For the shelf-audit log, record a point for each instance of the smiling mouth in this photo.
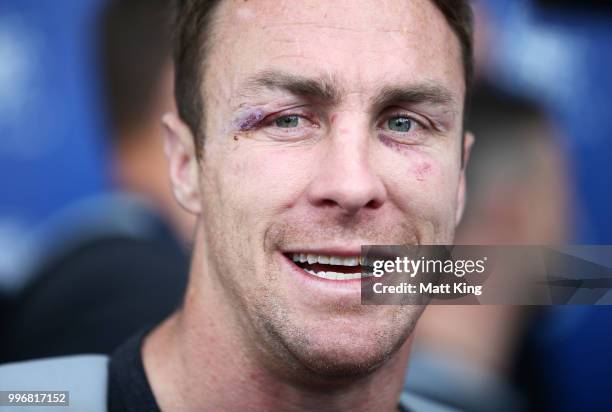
(328, 266)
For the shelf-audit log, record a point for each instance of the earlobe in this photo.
(179, 147)
(468, 141)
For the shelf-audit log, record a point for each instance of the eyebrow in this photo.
(326, 90)
(424, 93)
(320, 89)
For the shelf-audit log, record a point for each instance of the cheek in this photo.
(422, 171)
(261, 181)
(422, 183)
(427, 182)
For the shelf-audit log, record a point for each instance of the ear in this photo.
(180, 150)
(468, 141)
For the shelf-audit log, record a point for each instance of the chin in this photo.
(347, 362)
(343, 351)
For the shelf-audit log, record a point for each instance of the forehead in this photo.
(363, 45)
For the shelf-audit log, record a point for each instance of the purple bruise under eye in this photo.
(250, 119)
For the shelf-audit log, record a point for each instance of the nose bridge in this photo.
(348, 154)
(345, 176)
(349, 140)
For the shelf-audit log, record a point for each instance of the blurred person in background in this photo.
(517, 195)
(139, 79)
(558, 53)
(120, 260)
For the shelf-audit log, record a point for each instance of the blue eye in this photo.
(400, 124)
(287, 122)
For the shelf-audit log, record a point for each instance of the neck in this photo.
(199, 359)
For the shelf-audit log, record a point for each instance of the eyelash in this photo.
(295, 133)
(273, 119)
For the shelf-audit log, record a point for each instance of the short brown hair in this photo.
(192, 27)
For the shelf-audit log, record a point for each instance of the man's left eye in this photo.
(288, 121)
(400, 124)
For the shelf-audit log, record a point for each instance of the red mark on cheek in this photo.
(422, 171)
(333, 118)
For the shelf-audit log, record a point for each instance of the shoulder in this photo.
(412, 402)
(84, 377)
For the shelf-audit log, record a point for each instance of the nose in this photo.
(345, 178)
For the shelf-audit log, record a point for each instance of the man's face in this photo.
(329, 125)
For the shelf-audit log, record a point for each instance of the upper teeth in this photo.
(326, 259)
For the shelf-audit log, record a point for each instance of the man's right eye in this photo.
(400, 124)
(289, 126)
(288, 121)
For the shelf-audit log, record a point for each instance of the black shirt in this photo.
(128, 387)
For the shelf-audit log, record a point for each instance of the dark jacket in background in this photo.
(114, 268)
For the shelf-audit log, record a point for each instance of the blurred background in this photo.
(87, 216)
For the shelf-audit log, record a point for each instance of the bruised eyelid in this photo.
(249, 119)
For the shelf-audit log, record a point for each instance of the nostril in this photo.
(328, 202)
(348, 199)
(374, 204)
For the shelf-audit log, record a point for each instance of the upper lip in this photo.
(329, 251)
